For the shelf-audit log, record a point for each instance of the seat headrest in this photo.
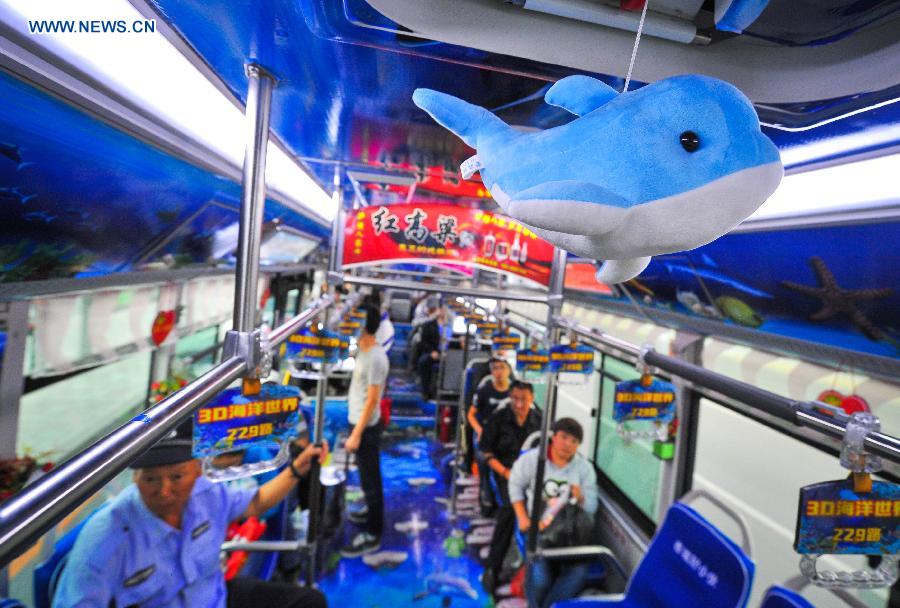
(691, 563)
(779, 597)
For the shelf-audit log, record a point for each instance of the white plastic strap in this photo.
(470, 166)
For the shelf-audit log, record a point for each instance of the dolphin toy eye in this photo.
(690, 141)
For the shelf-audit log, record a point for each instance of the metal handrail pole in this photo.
(460, 429)
(796, 412)
(25, 517)
(292, 325)
(253, 198)
(554, 305)
(450, 290)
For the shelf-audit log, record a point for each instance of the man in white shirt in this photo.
(366, 387)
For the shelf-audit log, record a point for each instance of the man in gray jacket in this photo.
(568, 475)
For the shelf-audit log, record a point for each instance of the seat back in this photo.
(400, 309)
(691, 563)
(46, 575)
(779, 597)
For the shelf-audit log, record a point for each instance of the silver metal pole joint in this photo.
(253, 348)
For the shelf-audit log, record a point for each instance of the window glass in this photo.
(58, 420)
(630, 465)
(190, 348)
(759, 472)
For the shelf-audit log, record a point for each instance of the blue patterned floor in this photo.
(429, 578)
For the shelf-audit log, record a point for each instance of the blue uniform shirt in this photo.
(126, 554)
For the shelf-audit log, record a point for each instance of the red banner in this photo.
(446, 233)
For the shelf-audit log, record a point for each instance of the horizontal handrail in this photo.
(28, 515)
(798, 413)
(451, 290)
(289, 327)
(253, 546)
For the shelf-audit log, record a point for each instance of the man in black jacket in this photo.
(430, 350)
(501, 442)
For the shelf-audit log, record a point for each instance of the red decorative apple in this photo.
(855, 403)
(162, 326)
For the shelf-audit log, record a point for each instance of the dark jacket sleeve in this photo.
(431, 337)
(488, 443)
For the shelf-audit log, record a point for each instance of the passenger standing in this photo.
(385, 335)
(501, 442)
(430, 350)
(366, 387)
(547, 583)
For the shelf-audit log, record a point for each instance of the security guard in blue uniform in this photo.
(157, 543)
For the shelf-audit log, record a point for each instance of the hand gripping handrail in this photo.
(25, 517)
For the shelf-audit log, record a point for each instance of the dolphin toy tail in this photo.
(619, 271)
(469, 122)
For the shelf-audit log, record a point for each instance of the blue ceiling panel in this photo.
(78, 197)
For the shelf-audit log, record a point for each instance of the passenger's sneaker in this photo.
(358, 517)
(361, 544)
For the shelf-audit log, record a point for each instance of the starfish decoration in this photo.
(836, 300)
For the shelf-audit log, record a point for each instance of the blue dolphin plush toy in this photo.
(665, 168)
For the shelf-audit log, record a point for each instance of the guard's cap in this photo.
(174, 449)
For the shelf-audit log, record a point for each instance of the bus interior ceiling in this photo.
(113, 214)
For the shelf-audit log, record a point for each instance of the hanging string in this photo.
(637, 42)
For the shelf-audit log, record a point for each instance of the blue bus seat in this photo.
(10, 603)
(46, 575)
(689, 563)
(780, 597)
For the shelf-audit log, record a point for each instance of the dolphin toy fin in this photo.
(567, 206)
(469, 122)
(612, 271)
(619, 271)
(580, 94)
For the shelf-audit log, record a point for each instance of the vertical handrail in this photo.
(460, 429)
(253, 197)
(554, 304)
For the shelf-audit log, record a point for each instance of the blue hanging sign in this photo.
(233, 421)
(505, 342)
(572, 359)
(486, 328)
(528, 360)
(640, 400)
(834, 519)
(310, 346)
(350, 328)
(345, 347)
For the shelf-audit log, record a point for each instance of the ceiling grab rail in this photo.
(805, 414)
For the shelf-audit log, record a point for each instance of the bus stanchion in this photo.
(315, 487)
(554, 305)
(460, 429)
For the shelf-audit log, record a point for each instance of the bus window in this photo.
(759, 471)
(198, 349)
(66, 416)
(630, 465)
